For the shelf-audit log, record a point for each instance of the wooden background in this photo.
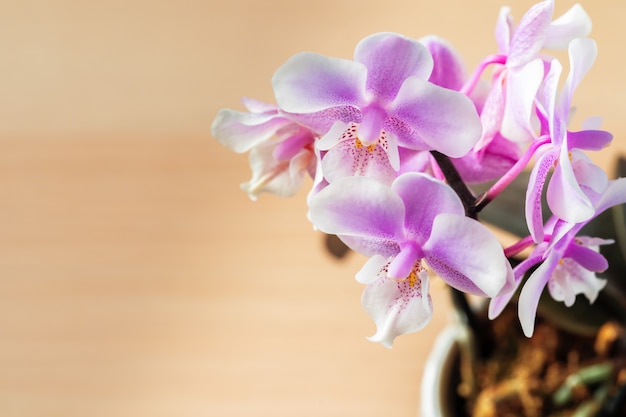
(135, 278)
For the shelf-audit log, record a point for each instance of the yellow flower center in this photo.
(358, 144)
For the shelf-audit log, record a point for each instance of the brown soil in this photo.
(552, 374)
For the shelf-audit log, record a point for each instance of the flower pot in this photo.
(438, 396)
(585, 373)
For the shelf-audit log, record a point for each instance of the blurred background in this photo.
(136, 279)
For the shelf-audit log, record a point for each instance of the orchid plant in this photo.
(399, 139)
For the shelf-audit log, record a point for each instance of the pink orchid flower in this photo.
(368, 107)
(400, 229)
(575, 177)
(509, 108)
(281, 151)
(567, 264)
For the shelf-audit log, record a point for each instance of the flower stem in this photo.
(522, 244)
(508, 178)
(471, 82)
(455, 181)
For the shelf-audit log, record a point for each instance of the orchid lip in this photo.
(370, 128)
(402, 265)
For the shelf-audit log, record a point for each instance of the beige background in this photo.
(135, 278)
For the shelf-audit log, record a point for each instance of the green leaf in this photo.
(506, 211)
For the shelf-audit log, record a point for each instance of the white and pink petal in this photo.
(280, 177)
(465, 254)
(530, 35)
(569, 279)
(424, 198)
(241, 131)
(310, 82)
(390, 59)
(420, 104)
(574, 23)
(521, 89)
(397, 306)
(531, 292)
(448, 68)
(364, 212)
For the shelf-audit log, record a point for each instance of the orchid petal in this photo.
(370, 270)
(316, 91)
(397, 307)
(614, 195)
(448, 69)
(424, 199)
(531, 292)
(493, 110)
(350, 157)
(420, 104)
(590, 177)
(488, 163)
(390, 59)
(309, 83)
(499, 302)
(587, 257)
(530, 34)
(504, 28)
(415, 161)
(257, 106)
(292, 139)
(538, 176)
(559, 231)
(319, 183)
(564, 195)
(279, 177)
(582, 54)
(522, 86)
(592, 140)
(574, 23)
(242, 131)
(338, 131)
(550, 92)
(404, 262)
(365, 213)
(389, 142)
(322, 121)
(569, 279)
(592, 123)
(454, 254)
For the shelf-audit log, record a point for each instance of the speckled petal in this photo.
(397, 307)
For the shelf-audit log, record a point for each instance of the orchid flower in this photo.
(393, 137)
(510, 104)
(479, 164)
(567, 264)
(575, 176)
(281, 151)
(367, 108)
(416, 220)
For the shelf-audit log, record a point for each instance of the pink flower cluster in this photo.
(373, 131)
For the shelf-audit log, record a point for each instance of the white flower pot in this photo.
(438, 385)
